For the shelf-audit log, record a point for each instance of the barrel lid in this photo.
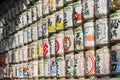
(115, 47)
(103, 50)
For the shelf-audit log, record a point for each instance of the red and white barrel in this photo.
(77, 12)
(59, 43)
(46, 47)
(69, 40)
(89, 62)
(89, 34)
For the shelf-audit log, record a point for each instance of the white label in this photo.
(60, 3)
(17, 39)
(20, 54)
(34, 13)
(21, 37)
(70, 64)
(102, 64)
(35, 69)
(53, 69)
(46, 7)
(34, 32)
(29, 34)
(68, 0)
(39, 9)
(25, 53)
(20, 22)
(79, 64)
(41, 68)
(47, 67)
(88, 8)
(45, 27)
(115, 28)
(24, 19)
(101, 7)
(115, 59)
(68, 16)
(39, 27)
(25, 35)
(29, 16)
(16, 55)
(60, 66)
(52, 45)
(78, 34)
(101, 31)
